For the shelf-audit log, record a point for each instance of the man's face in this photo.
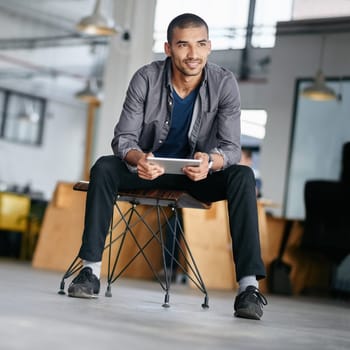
(189, 50)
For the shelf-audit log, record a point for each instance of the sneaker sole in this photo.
(247, 313)
(82, 295)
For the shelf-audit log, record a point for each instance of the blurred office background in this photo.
(61, 89)
(45, 61)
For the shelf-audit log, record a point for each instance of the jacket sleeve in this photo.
(229, 122)
(128, 129)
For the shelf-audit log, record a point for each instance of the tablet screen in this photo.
(174, 165)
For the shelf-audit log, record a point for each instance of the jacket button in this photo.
(160, 141)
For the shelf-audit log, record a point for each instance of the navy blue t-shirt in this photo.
(176, 144)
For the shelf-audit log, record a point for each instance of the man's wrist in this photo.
(210, 161)
(216, 160)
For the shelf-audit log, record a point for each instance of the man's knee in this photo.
(247, 172)
(243, 171)
(104, 165)
(241, 174)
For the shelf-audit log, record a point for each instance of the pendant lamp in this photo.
(97, 24)
(318, 90)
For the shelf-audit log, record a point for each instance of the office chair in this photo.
(327, 208)
(165, 204)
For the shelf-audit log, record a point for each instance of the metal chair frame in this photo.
(157, 201)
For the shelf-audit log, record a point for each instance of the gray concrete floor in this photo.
(34, 316)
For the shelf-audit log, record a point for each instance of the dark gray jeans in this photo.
(236, 184)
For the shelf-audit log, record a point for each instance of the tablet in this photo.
(174, 165)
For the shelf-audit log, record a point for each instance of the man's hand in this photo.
(148, 170)
(196, 173)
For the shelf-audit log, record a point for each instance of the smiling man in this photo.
(183, 107)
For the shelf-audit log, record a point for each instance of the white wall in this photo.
(61, 155)
(59, 158)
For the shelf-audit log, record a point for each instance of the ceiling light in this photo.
(96, 24)
(318, 90)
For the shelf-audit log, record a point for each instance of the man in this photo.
(181, 107)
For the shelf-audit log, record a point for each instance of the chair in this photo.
(327, 208)
(15, 217)
(327, 224)
(165, 204)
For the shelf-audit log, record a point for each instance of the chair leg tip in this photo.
(205, 304)
(108, 292)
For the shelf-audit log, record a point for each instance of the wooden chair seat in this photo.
(180, 199)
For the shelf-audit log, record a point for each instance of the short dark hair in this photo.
(186, 20)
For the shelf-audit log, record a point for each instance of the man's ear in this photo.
(209, 42)
(167, 49)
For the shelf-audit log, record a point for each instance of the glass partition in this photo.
(319, 130)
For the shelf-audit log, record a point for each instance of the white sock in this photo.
(95, 266)
(246, 281)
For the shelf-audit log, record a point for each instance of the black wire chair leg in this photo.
(75, 266)
(205, 304)
(166, 303)
(108, 292)
(168, 277)
(111, 272)
(190, 262)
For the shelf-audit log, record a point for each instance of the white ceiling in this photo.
(62, 13)
(41, 52)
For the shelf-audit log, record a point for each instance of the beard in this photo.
(184, 68)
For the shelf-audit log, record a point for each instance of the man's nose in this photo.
(192, 52)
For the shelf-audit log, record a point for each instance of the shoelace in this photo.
(257, 294)
(84, 275)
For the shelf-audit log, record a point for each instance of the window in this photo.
(22, 117)
(253, 123)
(267, 14)
(227, 20)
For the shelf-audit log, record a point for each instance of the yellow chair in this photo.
(15, 217)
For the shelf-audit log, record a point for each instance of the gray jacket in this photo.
(146, 116)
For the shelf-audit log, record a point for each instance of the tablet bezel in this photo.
(174, 165)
